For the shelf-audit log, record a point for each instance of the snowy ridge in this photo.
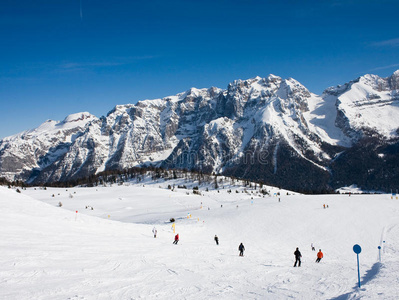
(369, 103)
(214, 130)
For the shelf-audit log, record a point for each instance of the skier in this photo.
(216, 239)
(313, 249)
(176, 239)
(298, 256)
(154, 231)
(319, 256)
(241, 248)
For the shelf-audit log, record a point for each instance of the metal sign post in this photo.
(357, 249)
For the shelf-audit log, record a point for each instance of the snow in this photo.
(71, 121)
(275, 164)
(55, 128)
(51, 252)
(366, 106)
(321, 119)
(287, 127)
(78, 117)
(350, 189)
(262, 110)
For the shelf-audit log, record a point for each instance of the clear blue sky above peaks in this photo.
(60, 57)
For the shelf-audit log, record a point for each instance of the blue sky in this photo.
(60, 57)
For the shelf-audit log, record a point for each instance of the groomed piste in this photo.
(99, 244)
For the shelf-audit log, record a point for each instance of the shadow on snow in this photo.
(370, 275)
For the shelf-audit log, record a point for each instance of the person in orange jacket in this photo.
(319, 256)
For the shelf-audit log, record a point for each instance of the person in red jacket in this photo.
(176, 239)
(319, 256)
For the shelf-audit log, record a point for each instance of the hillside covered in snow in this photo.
(99, 244)
(270, 129)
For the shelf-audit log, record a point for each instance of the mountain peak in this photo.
(272, 77)
(257, 116)
(394, 80)
(77, 117)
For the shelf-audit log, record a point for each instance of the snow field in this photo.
(109, 252)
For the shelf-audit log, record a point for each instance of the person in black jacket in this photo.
(241, 248)
(216, 239)
(298, 256)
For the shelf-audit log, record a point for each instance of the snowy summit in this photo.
(295, 138)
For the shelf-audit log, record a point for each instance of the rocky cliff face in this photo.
(269, 129)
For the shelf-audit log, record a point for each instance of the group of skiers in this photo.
(241, 249)
(298, 256)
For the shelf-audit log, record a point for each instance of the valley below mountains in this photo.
(270, 130)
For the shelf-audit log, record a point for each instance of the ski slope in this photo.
(51, 252)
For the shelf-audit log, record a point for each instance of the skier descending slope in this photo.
(216, 239)
(154, 231)
(241, 248)
(298, 256)
(319, 256)
(176, 239)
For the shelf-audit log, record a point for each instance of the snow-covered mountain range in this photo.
(269, 129)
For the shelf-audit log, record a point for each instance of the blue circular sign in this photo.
(379, 247)
(357, 249)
